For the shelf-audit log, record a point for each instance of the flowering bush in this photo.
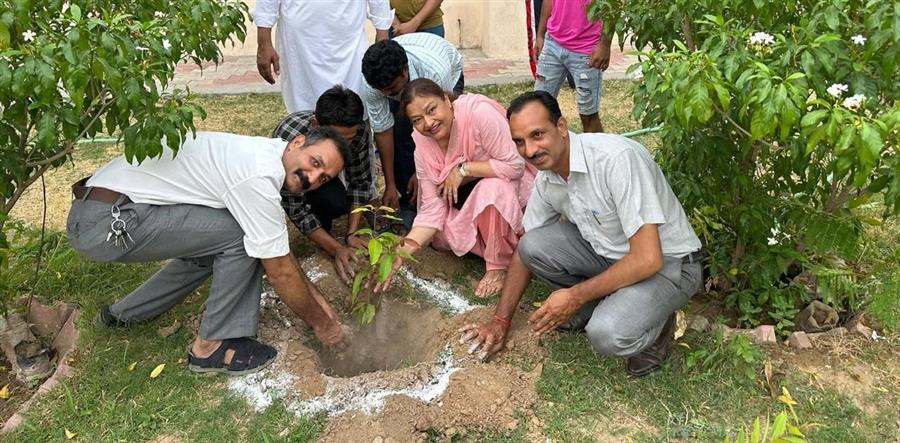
(780, 123)
(74, 69)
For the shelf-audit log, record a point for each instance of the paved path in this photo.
(237, 74)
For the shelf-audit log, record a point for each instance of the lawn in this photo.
(847, 389)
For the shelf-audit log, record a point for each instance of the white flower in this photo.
(858, 39)
(28, 35)
(65, 7)
(166, 44)
(159, 14)
(837, 89)
(853, 103)
(92, 14)
(761, 38)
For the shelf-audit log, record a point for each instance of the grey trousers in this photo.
(627, 321)
(200, 242)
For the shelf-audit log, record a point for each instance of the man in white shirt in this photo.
(214, 209)
(606, 232)
(321, 44)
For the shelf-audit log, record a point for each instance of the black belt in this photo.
(694, 257)
(96, 193)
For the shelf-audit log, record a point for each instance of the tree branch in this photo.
(741, 128)
(71, 146)
(8, 204)
(688, 33)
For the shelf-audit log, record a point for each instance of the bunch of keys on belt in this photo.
(117, 229)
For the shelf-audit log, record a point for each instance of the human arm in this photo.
(265, 15)
(416, 21)
(286, 277)
(546, 7)
(644, 259)
(490, 336)
(381, 16)
(599, 58)
(360, 185)
(384, 141)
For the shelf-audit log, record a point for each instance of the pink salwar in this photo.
(490, 221)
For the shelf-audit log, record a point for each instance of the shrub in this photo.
(778, 123)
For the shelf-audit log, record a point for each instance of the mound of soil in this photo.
(404, 374)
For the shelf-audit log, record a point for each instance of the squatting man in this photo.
(212, 210)
(605, 231)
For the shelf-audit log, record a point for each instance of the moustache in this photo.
(304, 180)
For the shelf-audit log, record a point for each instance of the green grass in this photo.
(582, 397)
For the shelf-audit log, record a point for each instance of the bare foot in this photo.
(491, 283)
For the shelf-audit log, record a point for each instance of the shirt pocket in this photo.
(609, 227)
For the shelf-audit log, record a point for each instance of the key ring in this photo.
(117, 222)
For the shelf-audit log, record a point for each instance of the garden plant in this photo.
(780, 136)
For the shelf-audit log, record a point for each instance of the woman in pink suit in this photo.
(473, 185)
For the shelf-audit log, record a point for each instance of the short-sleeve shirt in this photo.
(239, 173)
(428, 56)
(614, 188)
(569, 26)
(405, 10)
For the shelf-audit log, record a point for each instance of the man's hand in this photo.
(391, 197)
(357, 242)
(267, 63)
(412, 189)
(332, 336)
(404, 28)
(559, 306)
(450, 187)
(489, 337)
(599, 58)
(538, 47)
(345, 260)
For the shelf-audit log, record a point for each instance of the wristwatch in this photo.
(462, 169)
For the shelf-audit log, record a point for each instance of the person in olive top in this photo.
(417, 16)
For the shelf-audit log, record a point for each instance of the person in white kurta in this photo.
(321, 43)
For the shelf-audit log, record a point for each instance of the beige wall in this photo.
(497, 27)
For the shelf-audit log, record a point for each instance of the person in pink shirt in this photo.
(473, 185)
(567, 42)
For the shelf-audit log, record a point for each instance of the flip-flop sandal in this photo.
(249, 356)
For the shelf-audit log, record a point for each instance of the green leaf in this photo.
(384, 267)
(813, 118)
(4, 36)
(375, 249)
(779, 426)
(364, 231)
(75, 11)
(357, 282)
(369, 313)
(871, 143)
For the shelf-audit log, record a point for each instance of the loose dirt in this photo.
(404, 375)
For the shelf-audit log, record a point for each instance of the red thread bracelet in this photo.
(503, 321)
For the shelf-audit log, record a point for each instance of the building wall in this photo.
(497, 27)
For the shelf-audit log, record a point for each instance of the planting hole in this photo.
(400, 335)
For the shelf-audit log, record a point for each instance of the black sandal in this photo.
(249, 356)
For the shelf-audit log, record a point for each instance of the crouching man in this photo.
(212, 210)
(622, 260)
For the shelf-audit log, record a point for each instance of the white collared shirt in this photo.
(614, 188)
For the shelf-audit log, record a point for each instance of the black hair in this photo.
(316, 135)
(543, 97)
(339, 106)
(383, 63)
(420, 87)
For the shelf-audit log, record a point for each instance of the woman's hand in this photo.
(450, 187)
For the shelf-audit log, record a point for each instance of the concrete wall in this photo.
(497, 27)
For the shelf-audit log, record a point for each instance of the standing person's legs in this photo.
(201, 240)
(587, 89)
(550, 67)
(329, 202)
